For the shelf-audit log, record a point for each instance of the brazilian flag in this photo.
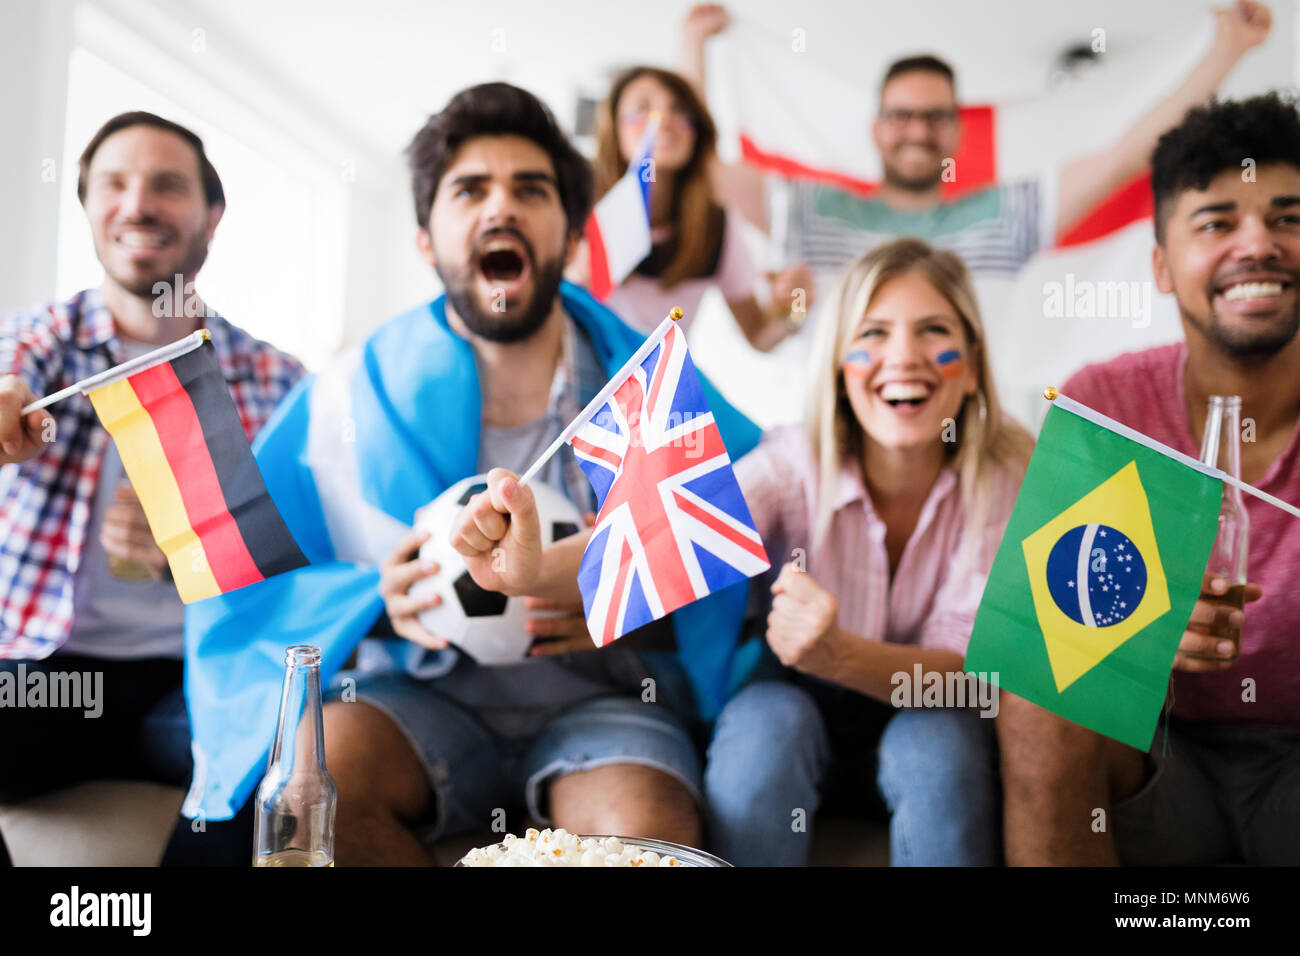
(1094, 582)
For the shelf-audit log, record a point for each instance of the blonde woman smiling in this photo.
(888, 508)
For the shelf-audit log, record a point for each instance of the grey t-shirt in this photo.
(518, 699)
(114, 618)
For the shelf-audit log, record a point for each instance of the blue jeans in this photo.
(474, 766)
(779, 748)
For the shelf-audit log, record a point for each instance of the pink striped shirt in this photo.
(1144, 390)
(930, 602)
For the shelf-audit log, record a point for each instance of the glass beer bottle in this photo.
(297, 799)
(1221, 448)
(125, 569)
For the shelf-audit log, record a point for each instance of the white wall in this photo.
(34, 41)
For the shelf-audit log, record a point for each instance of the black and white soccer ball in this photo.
(487, 625)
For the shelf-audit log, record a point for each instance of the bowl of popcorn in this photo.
(561, 848)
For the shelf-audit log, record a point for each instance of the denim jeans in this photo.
(781, 751)
(142, 732)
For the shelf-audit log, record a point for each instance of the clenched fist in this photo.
(802, 628)
(500, 537)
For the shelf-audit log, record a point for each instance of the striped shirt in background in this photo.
(995, 231)
(929, 601)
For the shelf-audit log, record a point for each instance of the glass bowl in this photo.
(686, 855)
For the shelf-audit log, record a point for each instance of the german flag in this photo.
(185, 452)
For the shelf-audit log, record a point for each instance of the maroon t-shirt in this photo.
(1144, 390)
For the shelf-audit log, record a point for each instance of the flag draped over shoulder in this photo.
(673, 525)
(348, 458)
(618, 229)
(782, 110)
(184, 449)
(1094, 582)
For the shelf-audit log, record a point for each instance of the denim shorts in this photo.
(1214, 795)
(477, 771)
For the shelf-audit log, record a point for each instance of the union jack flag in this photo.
(673, 525)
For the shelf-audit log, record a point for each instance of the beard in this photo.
(513, 324)
(141, 284)
(1254, 339)
(1247, 343)
(919, 183)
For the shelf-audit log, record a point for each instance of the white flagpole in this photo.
(603, 395)
(1261, 495)
(138, 364)
(1097, 418)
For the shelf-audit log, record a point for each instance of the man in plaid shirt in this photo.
(86, 601)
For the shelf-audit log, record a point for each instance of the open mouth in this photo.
(503, 263)
(902, 395)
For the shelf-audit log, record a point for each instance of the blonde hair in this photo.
(986, 438)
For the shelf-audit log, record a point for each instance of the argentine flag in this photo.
(348, 458)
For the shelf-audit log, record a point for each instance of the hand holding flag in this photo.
(673, 526)
(21, 425)
(187, 457)
(498, 534)
(1099, 588)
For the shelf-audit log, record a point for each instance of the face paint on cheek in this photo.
(950, 364)
(857, 363)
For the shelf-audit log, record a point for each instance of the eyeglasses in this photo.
(939, 117)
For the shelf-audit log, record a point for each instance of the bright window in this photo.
(276, 264)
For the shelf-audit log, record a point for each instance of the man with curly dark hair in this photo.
(1225, 783)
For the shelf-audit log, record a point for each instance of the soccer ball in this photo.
(487, 625)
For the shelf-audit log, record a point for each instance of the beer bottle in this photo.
(1221, 448)
(297, 799)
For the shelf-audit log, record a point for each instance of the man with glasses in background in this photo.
(917, 131)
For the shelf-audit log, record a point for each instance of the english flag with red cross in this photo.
(788, 114)
(673, 525)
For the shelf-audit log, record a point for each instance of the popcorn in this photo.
(561, 848)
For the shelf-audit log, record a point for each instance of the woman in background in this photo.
(888, 506)
(696, 242)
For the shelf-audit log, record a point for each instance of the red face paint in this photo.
(857, 363)
(950, 364)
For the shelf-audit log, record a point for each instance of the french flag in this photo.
(618, 230)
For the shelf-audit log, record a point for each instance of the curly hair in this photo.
(496, 109)
(1218, 136)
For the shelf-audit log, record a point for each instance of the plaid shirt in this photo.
(45, 502)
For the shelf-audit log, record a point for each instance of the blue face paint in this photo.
(950, 364)
(856, 363)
